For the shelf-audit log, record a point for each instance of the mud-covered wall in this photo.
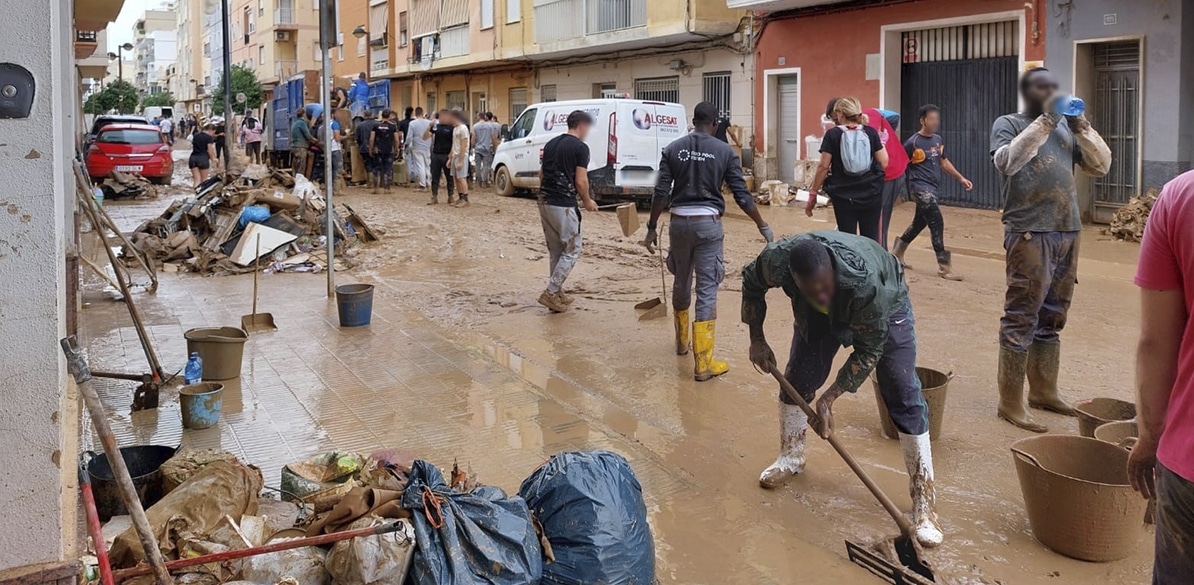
(37, 500)
(1167, 27)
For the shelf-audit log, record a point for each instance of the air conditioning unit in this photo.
(281, 35)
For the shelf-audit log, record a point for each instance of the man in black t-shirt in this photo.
(404, 129)
(440, 135)
(363, 132)
(926, 160)
(563, 177)
(383, 144)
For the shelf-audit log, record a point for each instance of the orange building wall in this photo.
(353, 13)
(831, 50)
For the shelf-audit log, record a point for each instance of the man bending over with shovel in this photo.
(692, 171)
(846, 290)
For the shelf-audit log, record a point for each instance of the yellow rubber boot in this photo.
(683, 339)
(702, 347)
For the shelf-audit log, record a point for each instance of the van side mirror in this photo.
(505, 132)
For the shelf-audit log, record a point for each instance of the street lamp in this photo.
(119, 56)
(359, 32)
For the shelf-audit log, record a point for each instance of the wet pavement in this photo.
(460, 363)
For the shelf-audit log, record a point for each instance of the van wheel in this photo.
(503, 183)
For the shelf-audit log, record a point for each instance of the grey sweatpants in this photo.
(484, 165)
(696, 250)
(1173, 562)
(1042, 268)
(561, 229)
(812, 355)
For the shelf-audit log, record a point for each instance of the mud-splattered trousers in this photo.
(1174, 558)
(928, 214)
(1042, 268)
(561, 229)
(696, 250)
(812, 355)
(439, 168)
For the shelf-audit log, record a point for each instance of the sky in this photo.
(121, 31)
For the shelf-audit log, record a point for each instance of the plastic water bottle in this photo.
(1070, 105)
(193, 374)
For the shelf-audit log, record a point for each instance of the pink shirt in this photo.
(1167, 263)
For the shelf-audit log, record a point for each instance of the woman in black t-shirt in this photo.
(203, 153)
(857, 197)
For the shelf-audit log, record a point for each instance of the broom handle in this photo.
(662, 273)
(900, 520)
(256, 271)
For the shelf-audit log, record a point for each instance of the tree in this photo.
(164, 98)
(244, 80)
(118, 95)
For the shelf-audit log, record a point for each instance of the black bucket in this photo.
(144, 463)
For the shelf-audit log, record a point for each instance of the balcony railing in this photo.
(284, 69)
(284, 16)
(601, 16)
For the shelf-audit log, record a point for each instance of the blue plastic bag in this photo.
(483, 537)
(252, 214)
(592, 511)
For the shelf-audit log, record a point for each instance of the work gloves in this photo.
(768, 235)
(651, 240)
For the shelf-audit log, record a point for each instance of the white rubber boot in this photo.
(918, 457)
(793, 424)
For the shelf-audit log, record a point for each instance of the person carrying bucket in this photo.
(692, 171)
(846, 290)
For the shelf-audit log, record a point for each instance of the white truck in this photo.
(624, 144)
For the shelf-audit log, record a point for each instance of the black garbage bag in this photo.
(483, 537)
(591, 507)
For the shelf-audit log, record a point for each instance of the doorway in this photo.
(1115, 113)
(788, 147)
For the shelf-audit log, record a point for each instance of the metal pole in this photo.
(326, 38)
(227, 22)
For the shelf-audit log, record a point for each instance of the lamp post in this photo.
(119, 56)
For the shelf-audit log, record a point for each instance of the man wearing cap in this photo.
(692, 171)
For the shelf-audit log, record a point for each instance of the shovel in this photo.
(657, 307)
(257, 321)
(627, 216)
(899, 560)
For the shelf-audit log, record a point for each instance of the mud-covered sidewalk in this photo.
(461, 362)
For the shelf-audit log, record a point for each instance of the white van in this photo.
(152, 112)
(625, 143)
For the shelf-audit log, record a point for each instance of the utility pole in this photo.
(227, 34)
(327, 37)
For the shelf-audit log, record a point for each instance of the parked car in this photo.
(624, 144)
(138, 149)
(106, 119)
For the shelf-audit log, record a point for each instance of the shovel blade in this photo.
(258, 322)
(898, 561)
(627, 218)
(651, 304)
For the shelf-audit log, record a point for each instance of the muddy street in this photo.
(461, 358)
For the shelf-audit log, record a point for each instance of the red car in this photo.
(138, 149)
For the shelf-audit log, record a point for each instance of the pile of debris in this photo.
(233, 220)
(346, 518)
(119, 185)
(1127, 224)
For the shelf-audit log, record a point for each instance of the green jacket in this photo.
(870, 287)
(300, 134)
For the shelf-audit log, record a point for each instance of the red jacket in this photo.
(897, 157)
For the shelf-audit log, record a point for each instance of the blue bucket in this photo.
(355, 304)
(201, 404)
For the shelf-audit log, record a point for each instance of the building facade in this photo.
(276, 38)
(154, 48)
(187, 86)
(1126, 59)
(963, 55)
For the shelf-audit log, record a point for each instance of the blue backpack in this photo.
(855, 150)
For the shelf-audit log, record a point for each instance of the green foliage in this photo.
(158, 99)
(244, 80)
(119, 95)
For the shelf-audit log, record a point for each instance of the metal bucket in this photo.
(934, 386)
(354, 302)
(144, 463)
(1097, 412)
(201, 404)
(220, 348)
(1078, 498)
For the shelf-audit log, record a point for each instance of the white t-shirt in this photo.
(460, 139)
(166, 126)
